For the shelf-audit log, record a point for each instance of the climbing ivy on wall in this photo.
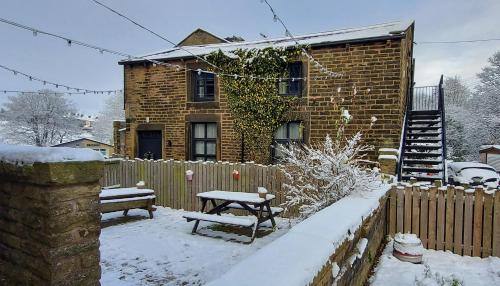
(253, 99)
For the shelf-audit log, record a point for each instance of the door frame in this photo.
(150, 127)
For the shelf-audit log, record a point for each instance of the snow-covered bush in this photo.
(320, 175)
(435, 278)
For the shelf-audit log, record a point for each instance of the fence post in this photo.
(468, 227)
(478, 219)
(458, 227)
(431, 243)
(496, 225)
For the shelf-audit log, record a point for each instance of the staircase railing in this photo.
(443, 126)
(409, 103)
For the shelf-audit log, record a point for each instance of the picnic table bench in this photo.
(257, 206)
(125, 199)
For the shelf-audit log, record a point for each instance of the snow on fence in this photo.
(466, 222)
(173, 189)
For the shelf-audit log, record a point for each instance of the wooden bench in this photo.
(274, 210)
(224, 219)
(125, 199)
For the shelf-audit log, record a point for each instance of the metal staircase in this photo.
(424, 140)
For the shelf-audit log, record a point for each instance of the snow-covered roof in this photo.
(379, 31)
(81, 139)
(486, 147)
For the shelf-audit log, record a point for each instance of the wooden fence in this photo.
(466, 222)
(172, 189)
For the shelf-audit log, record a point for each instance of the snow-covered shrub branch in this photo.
(322, 174)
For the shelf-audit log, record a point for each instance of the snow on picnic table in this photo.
(471, 271)
(162, 251)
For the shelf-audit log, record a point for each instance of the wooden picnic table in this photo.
(222, 201)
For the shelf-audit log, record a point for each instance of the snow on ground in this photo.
(438, 268)
(162, 251)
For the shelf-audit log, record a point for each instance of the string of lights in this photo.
(57, 85)
(316, 63)
(102, 50)
(46, 92)
(153, 32)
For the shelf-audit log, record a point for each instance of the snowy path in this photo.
(471, 271)
(162, 251)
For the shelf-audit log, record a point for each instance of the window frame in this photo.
(286, 141)
(205, 140)
(293, 79)
(202, 77)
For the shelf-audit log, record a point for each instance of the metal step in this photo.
(409, 140)
(421, 162)
(424, 127)
(423, 134)
(421, 154)
(423, 121)
(421, 170)
(424, 117)
(423, 147)
(425, 112)
(421, 178)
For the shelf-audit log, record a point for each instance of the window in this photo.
(203, 86)
(290, 132)
(102, 151)
(204, 141)
(293, 85)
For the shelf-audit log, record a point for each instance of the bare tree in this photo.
(113, 110)
(39, 118)
(487, 100)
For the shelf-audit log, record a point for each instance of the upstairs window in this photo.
(203, 86)
(204, 138)
(290, 132)
(293, 85)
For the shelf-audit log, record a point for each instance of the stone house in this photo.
(105, 149)
(175, 113)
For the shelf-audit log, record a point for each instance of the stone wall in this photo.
(347, 266)
(157, 97)
(50, 223)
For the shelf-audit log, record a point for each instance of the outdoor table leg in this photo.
(203, 205)
(270, 213)
(214, 204)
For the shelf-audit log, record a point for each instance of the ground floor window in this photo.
(204, 141)
(290, 132)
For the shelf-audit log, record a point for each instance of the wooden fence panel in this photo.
(450, 207)
(415, 212)
(459, 218)
(487, 224)
(496, 226)
(478, 226)
(431, 241)
(424, 208)
(441, 211)
(400, 208)
(468, 215)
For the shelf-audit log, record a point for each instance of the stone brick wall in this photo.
(357, 272)
(50, 224)
(157, 97)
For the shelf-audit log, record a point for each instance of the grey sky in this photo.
(83, 20)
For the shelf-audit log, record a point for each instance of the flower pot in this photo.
(189, 175)
(262, 192)
(407, 247)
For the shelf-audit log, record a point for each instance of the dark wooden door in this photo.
(149, 144)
